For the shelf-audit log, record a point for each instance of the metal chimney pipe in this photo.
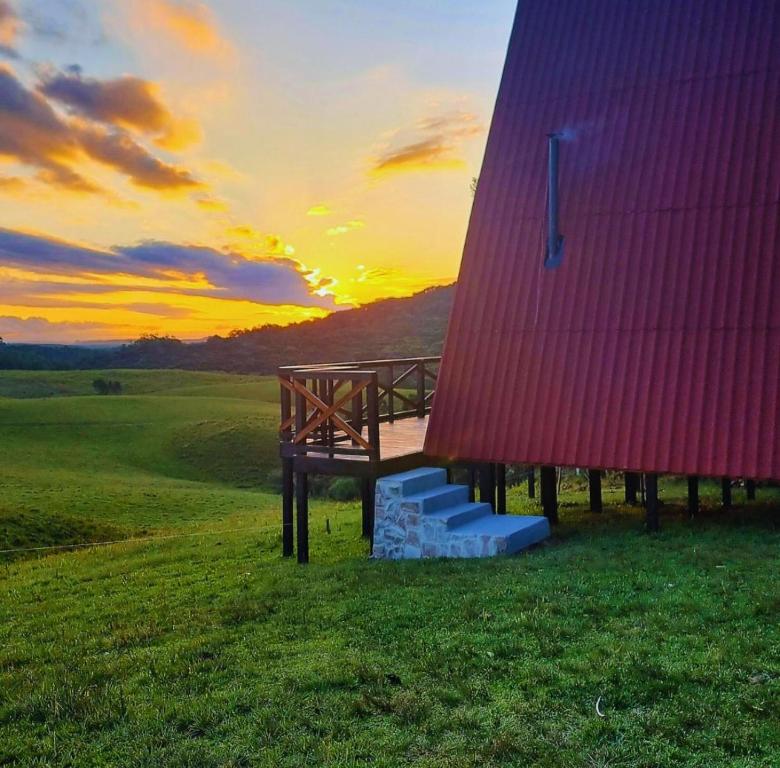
(554, 238)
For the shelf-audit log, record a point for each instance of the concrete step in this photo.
(418, 515)
(420, 480)
(461, 513)
(519, 531)
(439, 498)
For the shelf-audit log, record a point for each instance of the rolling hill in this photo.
(185, 639)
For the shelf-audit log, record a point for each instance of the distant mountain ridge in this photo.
(407, 327)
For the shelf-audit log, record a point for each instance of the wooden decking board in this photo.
(401, 446)
(402, 438)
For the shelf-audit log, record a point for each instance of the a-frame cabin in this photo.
(618, 305)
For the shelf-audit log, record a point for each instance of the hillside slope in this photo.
(406, 327)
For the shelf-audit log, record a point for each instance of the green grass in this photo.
(37, 384)
(210, 650)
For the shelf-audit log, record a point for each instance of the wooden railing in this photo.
(335, 409)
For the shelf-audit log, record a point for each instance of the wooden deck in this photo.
(399, 438)
(365, 419)
(362, 419)
(402, 449)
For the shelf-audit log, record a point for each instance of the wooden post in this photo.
(632, 487)
(288, 489)
(651, 490)
(693, 496)
(487, 485)
(300, 411)
(288, 492)
(501, 489)
(725, 491)
(330, 429)
(285, 401)
(750, 489)
(594, 486)
(391, 397)
(371, 512)
(548, 481)
(367, 503)
(532, 483)
(472, 482)
(315, 389)
(372, 417)
(357, 411)
(302, 509)
(421, 389)
(302, 486)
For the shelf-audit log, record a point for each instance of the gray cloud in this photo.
(128, 102)
(231, 276)
(42, 331)
(32, 133)
(63, 21)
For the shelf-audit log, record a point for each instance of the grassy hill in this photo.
(408, 327)
(202, 647)
(143, 455)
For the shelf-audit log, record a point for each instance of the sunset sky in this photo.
(187, 167)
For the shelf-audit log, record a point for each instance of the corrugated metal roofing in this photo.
(655, 346)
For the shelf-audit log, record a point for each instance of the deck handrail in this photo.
(366, 364)
(335, 409)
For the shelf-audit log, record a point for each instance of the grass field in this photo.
(207, 649)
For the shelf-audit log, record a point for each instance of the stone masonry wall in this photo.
(403, 532)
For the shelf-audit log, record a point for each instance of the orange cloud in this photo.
(10, 26)
(11, 184)
(189, 23)
(434, 144)
(319, 210)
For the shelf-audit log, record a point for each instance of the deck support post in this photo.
(548, 482)
(750, 490)
(594, 488)
(693, 496)
(501, 489)
(487, 485)
(651, 514)
(288, 494)
(367, 491)
(302, 509)
(472, 482)
(421, 389)
(725, 492)
(367, 503)
(632, 487)
(532, 483)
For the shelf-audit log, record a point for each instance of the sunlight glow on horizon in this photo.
(162, 173)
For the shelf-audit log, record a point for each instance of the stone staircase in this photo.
(418, 514)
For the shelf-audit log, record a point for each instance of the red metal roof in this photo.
(655, 346)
